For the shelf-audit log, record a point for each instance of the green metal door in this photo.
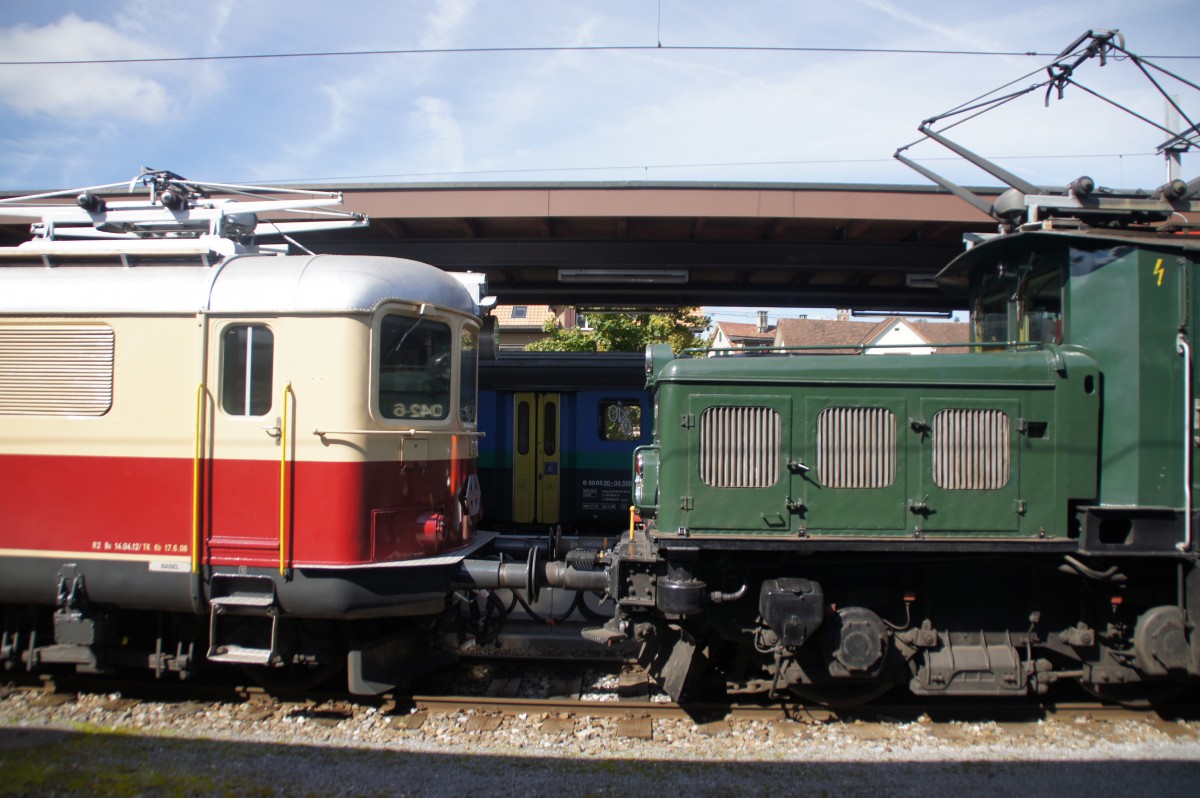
(738, 450)
(969, 469)
(854, 474)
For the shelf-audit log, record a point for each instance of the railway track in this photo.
(564, 691)
(66, 736)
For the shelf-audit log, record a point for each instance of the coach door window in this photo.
(247, 368)
(415, 368)
(523, 428)
(550, 428)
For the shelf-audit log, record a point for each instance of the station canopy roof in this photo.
(867, 247)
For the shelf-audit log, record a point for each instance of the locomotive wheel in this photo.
(292, 678)
(314, 636)
(837, 696)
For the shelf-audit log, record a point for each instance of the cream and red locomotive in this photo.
(213, 450)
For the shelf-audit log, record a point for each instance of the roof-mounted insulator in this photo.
(88, 224)
(1081, 187)
(1172, 191)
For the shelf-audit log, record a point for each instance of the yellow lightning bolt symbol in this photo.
(1158, 270)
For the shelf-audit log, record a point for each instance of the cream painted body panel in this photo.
(157, 373)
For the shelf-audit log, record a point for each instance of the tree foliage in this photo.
(626, 332)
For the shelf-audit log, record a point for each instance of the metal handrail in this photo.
(284, 431)
(196, 479)
(321, 433)
(860, 349)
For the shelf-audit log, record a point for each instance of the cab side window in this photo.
(468, 380)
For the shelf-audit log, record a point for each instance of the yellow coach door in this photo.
(536, 458)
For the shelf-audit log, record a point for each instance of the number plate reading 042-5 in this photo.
(418, 410)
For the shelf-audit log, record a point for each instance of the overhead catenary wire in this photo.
(600, 48)
(1105, 44)
(539, 49)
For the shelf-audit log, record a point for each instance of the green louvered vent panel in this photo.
(56, 370)
(739, 447)
(970, 449)
(856, 447)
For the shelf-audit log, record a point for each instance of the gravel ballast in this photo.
(104, 744)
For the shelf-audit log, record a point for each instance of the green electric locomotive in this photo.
(982, 522)
(979, 522)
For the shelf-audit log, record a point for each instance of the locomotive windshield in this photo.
(414, 368)
(1023, 306)
(1040, 311)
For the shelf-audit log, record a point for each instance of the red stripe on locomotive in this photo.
(338, 513)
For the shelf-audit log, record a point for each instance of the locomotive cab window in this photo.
(990, 318)
(468, 382)
(1040, 308)
(1023, 306)
(415, 368)
(247, 369)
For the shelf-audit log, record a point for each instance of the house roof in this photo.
(745, 331)
(941, 334)
(836, 332)
(534, 316)
(829, 332)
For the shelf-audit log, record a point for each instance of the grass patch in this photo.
(96, 760)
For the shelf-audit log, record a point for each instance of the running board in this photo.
(243, 627)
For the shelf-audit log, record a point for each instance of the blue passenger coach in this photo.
(561, 430)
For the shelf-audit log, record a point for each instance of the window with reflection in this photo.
(415, 368)
(468, 378)
(620, 420)
(990, 317)
(1023, 307)
(1041, 308)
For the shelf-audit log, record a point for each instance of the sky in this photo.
(578, 115)
(488, 113)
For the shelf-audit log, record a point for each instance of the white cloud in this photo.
(380, 117)
(444, 21)
(78, 92)
(438, 134)
(952, 36)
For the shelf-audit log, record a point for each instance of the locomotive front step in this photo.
(243, 621)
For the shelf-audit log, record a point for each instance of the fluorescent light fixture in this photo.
(920, 280)
(622, 275)
(915, 314)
